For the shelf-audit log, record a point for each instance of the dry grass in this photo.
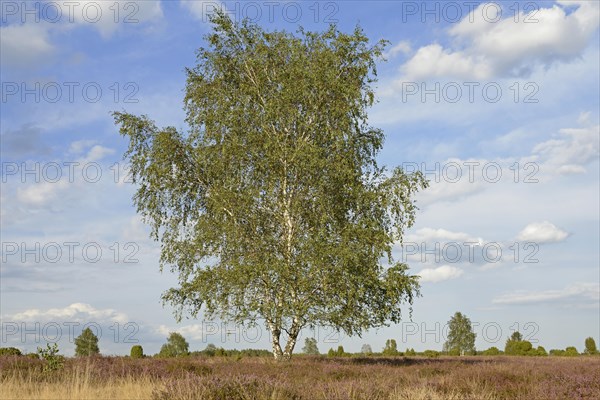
(446, 378)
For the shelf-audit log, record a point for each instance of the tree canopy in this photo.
(272, 206)
(461, 338)
(176, 346)
(86, 344)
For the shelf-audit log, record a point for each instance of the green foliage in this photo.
(568, 352)
(431, 353)
(310, 346)
(337, 353)
(454, 352)
(9, 351)
(492, 351)
(272, 206)
(410, 352)
(391, 348)
(54, 361)
(590, 346)
(86, 344)
(571, 352)
(213, 351)
(137, 351)
(541, 351)
(516, 336)
(461, 338)
(176, 346)
(517, 348)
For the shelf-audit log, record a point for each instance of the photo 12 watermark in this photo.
(471, 92)
(54, 12)
(52, 332)
(70, 92)
(69, 252)
(472, 171)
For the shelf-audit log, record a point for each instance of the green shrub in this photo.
(492, 351)
(54, 361)
(391, 348)
(590, 346)
(410, 352)
(137, 351)
(431, 353)
(9, 351)
(454, 352)
(541, 351)
(571, 351)
(337, 353)
(519, 348)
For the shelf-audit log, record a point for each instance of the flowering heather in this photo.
(501, 377)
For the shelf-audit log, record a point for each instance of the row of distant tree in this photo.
(461, 341)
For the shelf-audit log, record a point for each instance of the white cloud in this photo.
(202, 9)
(41, 193)
(108, 16)
(571, 151)
(76, 312)
(402, 47)
(579, 291)
(507, 47)
(443, 273)
(440, 235)
(79, 146)
(542, 232)
(28, 44)
(25, 44)
(97, 153)
(194, 331)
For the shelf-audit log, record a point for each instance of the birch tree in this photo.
(271, 207)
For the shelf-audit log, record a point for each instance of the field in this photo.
(443, 378)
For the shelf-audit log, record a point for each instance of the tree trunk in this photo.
(275, 336)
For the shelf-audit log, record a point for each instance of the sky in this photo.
(497, 103)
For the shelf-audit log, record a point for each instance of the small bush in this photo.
(571, 351)
(410, 352)
(431, 353)
(492, 351)
(9, 351)
(454, 352)
(54, 361)
(137, 351)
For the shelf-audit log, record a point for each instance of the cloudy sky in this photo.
(496, 102)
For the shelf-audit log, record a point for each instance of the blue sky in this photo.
(496, 102)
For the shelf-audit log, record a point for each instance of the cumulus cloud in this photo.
(542, 232)
(194, 331)
(571, 150)
(30, 43)
(576, 292)
(440, 235)
(108, 16)
(76, 312)
(25, 44)
(402, 47)
(443, 273)
(485, 48)
(202, 9)
(42, 193)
